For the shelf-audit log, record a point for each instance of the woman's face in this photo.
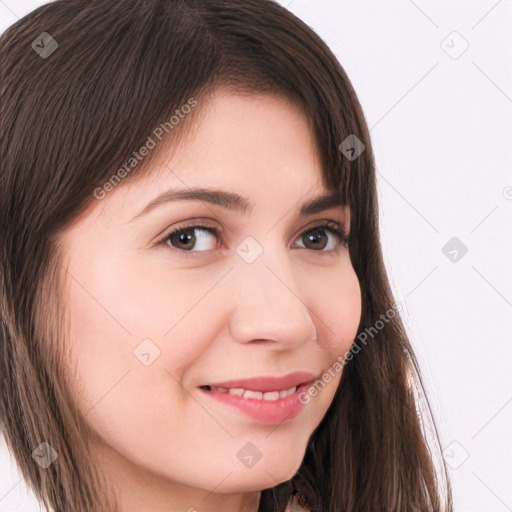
(156, 318)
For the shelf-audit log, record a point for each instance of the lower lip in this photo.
(264, 411)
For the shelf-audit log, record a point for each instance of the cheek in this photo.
(129, 405)
(123, 316)
(338, 310)
(99, 348)
(339, 322)
(108, 319)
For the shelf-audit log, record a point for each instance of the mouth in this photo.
(264, 399)
(269, 396)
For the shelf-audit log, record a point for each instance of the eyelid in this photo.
(194, 223)
(337, 228)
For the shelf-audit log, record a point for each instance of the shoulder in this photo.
(297, 503)
(295, 495)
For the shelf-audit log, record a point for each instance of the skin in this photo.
(159, 440)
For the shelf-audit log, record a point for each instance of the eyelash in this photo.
(331, 226)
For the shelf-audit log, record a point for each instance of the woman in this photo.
(195, 309)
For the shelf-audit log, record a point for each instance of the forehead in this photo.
(240, 151)
(255, 146)
(240, 129)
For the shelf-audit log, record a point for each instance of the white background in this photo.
(442, 134)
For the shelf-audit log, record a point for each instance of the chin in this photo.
(262, 476)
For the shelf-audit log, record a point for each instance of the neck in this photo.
(136, 490)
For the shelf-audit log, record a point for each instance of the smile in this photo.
(270, 396)
(268, 407)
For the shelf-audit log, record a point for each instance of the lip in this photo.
(265, 411)
(267, 383)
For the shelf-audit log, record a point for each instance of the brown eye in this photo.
(317, 238)
(185, 239)
(190, 240)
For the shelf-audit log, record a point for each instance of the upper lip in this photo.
(269, 383)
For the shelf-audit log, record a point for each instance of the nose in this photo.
(267, 304)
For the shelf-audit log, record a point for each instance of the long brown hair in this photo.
(74, 116)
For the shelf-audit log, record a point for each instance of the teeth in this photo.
(270, 396)
(284, 394)
(253, 394)
(221, 390)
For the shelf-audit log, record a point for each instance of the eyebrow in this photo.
(234, 202)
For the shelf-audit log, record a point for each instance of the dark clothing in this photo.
(277, 498)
